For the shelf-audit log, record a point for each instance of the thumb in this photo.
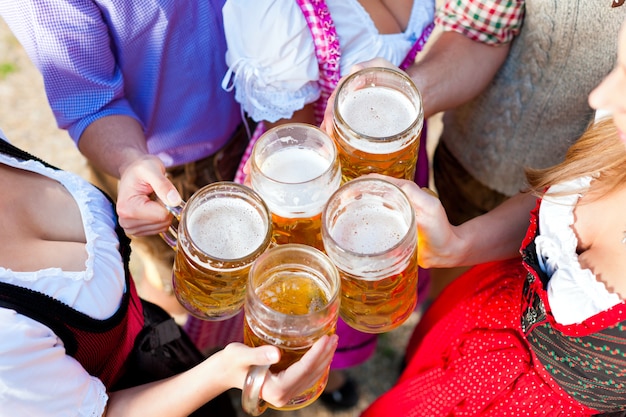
(266, 355)
(165, 191)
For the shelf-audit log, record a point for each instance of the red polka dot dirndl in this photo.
(468, 355)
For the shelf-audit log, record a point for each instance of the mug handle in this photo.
(251, 400)
(171, 235)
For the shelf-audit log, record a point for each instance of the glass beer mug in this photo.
(370, 234)
(294, 167)
(222, 229)
(292, 301)
(377, 122)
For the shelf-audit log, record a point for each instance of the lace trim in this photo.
(260, 100)
(328, 54)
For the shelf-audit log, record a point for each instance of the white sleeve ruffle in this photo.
(271, 58)
(38, 377)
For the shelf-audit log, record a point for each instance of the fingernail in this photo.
(273, 356)
(173, 198)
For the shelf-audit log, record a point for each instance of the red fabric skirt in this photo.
(468, 356)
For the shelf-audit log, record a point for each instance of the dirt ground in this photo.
(27, 121)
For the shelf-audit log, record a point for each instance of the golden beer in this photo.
(380, 305)
(292, 301)
(294, 167)
(378, 119)
(370, 234)
(222, 229)
(291, 294)
(307, 231)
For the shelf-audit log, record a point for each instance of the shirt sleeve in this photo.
(71, 45)
(271, 58)
(37, 378)
(492, 22)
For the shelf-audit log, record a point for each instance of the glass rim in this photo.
(334, 298)
(379, 139)
(407, 235)
(295, 125)
(234, 190)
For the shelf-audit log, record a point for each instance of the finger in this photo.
(139, 187)
(265, 355)
(147, 176)
(374, 62)
(246, 167)
(327, 121)
(164, 190)
(134, 210)
(431, 192)
(145, 229)
(280, 388)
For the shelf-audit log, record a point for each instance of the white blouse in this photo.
(271, 55)
(574, 293)
(37, 378)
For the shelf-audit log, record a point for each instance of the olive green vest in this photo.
(536, 106)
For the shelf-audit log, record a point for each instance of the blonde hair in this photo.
(598, 153)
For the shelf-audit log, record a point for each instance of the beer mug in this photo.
(292, 301)
(222, 229)
(294, 167)
(377, 122)
(370, 234)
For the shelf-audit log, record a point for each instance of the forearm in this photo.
(184, 393)
(454, 70)
(177, 396)
(112, 143)
(495, 235)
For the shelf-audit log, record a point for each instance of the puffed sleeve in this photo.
(271, 58)
(38, 378)
(493, 22)
(69, 42)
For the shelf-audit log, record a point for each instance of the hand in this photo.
(280, 388)
(437, 238)
(246, 170)
(138, 213)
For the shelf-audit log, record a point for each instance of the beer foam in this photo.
(226, 228)
(295, 192)
(294, 165)
(378, 112)
(369, 228)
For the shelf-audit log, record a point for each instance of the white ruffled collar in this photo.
(574, 293)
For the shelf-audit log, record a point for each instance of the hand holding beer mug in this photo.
(222, 229)
(377, 122)
(292, 301)
(294, 167)
(370, 233)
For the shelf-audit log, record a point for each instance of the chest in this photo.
(41, 224)
(600, 227)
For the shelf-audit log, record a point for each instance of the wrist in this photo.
(461, 248)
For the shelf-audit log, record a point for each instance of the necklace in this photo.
(624, 238)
